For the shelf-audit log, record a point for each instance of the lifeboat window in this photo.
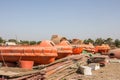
(52, 44)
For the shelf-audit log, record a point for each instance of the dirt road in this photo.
(109, 72)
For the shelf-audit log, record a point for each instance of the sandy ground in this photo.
(109, 72)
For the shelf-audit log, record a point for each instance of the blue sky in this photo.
(39, 19)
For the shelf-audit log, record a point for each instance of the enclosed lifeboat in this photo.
(88, 47)
(64, 49)
(77, 49)
(103, 49)
(41, 54)
(115, 53)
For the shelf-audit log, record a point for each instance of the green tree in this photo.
(38, 42)
(33, 42)
(99, 41)
(1, 40)
(117, 43)
(109, 41)
(12, 40)
(24, 42)
(87, 41)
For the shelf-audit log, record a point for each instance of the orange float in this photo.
(41, 54)
(64, 49)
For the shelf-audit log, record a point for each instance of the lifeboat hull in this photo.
(114, 53)
(101, 50)
(37, 60)
(77, 50)
(62, 54)
(41, 54)
(64, 49)
(88, 47)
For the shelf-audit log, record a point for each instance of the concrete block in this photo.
(94, 66)
(85, 70)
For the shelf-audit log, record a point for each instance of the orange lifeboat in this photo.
(103, 49)
(88, 47)
(77, 49)
(115, 53)
(41, 54)
(64, 49)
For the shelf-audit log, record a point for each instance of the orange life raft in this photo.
(41, 54)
